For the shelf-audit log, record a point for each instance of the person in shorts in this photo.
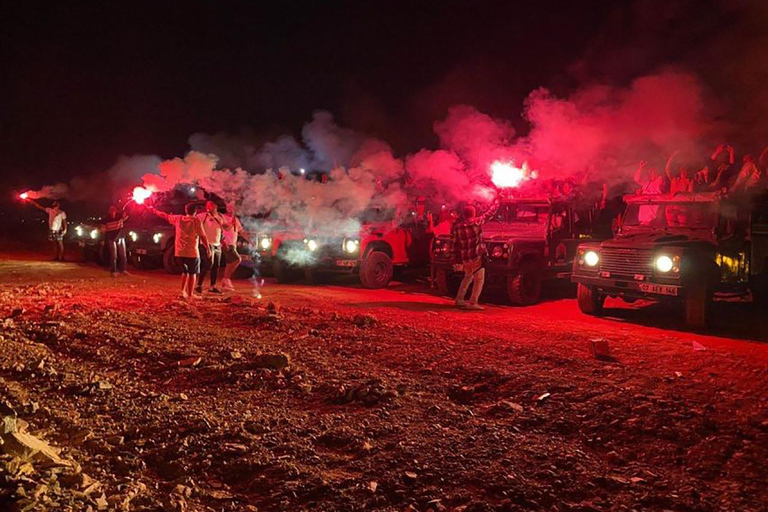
(189, 236)
(57, 227)
(231, 229)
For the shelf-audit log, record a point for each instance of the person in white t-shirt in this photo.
(231, 230)
(57, 226)
(212, 223)
(188, 237)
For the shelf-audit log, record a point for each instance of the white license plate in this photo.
(458, 267)
(658, 288)
(346, 263)
(141, 251)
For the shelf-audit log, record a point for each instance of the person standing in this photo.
(469, 250)
(114, 237)
(212, 223)
(231, 229)
(188, 237)
(57, 226)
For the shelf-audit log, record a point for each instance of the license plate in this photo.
(458, 267)
(141, 251)
(346, 263)
(658, 288)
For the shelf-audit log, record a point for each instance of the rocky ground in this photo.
(117, 396)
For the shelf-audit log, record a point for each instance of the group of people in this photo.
(209, 233)
(719, 174)
(201, 241)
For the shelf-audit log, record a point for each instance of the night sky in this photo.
(83, 84)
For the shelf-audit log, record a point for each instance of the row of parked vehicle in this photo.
(687, 249)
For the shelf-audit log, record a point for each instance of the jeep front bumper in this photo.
(618, 287)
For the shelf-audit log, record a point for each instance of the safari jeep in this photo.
(384, 242)
(687, 249)
(529, 242)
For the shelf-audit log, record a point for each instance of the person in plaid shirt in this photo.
(469, 250)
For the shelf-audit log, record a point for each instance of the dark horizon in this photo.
(88, 84)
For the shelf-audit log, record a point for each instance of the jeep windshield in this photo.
(523, 219)
(670, 215)
(375, 214)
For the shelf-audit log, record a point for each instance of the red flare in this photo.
(140, 194)
(24, 195)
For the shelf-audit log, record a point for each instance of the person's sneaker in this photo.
(199, 290)
(474, 307)
(215, 290)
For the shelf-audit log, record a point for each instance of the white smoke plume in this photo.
(103, 187)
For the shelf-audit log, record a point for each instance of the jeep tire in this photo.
(590, 300)
(169, 261)
(696, 306)
(376, 270)
(285, 273)
(524, 285)
(445, 285)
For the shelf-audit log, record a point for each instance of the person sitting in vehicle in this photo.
(717, 173)
(749, 179)
(651, 183)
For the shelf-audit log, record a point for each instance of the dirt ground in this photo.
(117, 396)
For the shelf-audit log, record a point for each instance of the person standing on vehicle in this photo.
(57, 226)
(114, 237)
(231, 229)
(188, 237)
(469, 251)
(212, 223)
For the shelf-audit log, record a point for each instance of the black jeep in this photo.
(528, 241)
(687, 249)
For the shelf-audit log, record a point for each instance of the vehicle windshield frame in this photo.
(660, 221)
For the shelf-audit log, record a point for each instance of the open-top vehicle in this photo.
(687, 249)
(528, 241)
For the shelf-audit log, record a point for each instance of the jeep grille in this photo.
(629, 262)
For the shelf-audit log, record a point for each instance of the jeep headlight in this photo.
(664, 263)
(350, 246)
(79, 230)
(265, 242)
(312, 245)
(94, 234)
(156, 237)
(133, 236)
(497, 251)
(591, 258)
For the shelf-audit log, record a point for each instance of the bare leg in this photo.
(461, 296)
(60, 247)
(191, 281)
(184, 278)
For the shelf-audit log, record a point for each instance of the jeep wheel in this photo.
(169, 261)
(446, 285)
(590, 301)
(285, 273)
(524, 286)
(376, 270)
(696, 306)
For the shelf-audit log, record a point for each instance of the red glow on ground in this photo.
(140, 194)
